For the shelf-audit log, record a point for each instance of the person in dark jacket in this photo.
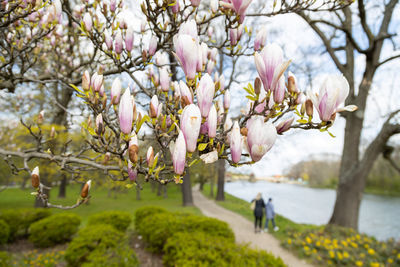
(258, 212)
(270, 215)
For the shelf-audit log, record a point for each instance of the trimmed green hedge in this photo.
(159, 227)
(20, 220)
(202, 249)
(5, 259)
(120, 220)
(4, 232)
(100, 245)
(143, 212)
(56, 229)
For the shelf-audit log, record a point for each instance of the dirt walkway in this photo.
(244, 230)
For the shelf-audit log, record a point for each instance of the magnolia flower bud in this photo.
(261, 37)
(292, 83)
(152, 45)
(190, 126)
(205, 94)
(96, 81)
(195, 3)
(125, 112)
(52, 132)
(257, 86)
(133, 149)
(186, 51)
(309, 108)
(129, 39)
(87, 21)
(179, 154)
(212, 122)
(86, 189)
(164, 79)
(261, 137)
(132, 173)
(186, 94)
(227, 100)
(115, 91)
(107, 158)
(283, 126)
(35, 177)
(99, 124)
(175, 8)
(150, 156)
(40, 117)
(236, 143)
(153, 107)
(113, 5)
(86, 80)
(118, 43)
(108, 40)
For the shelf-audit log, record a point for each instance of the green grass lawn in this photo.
(242, 207)
(125, 200)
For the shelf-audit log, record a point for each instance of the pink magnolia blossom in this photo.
(205, 94)
(113, 5)
(108, 40)
(152, 45)
(129, 39)
(186, 51)
(118, 45)
(195, 3)
(227, 99)
(115, 91)
(270, 66)
(239, 6)
(212, 122)
(179, 154)
(283, 126)
(96, 81)
(190, 126)
(185, 92)
(99, 124)
(87, 21)
(125, 112)
(261, 137)
(190, 28)
(175, 8)
(236, 143)
(164, 79)
(331, 96)
(214, 6)
(132, 173)
(153, 107)
(260, 39)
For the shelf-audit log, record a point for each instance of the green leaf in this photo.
(302, 121)
(76, 88)
(202, 146)
(331, 134)
(193, 162)
(251, 97)
(139, 125)
(129, 186)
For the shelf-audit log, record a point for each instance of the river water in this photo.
(379, 215)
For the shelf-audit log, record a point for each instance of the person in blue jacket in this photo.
(258, 212)
(270, 215)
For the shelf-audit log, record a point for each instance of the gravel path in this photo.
(244, 230)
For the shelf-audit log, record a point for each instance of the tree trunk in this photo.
(62, 192)
(159, 189)
(138, 193)
(212, 187)
(165, 195)
(221, 181)
(201, 185)
(187, 198)
(153, 186)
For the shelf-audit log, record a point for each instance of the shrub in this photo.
(20, 220)
(14, 219)
(120, 220)
(100, 245)
(5, 259)
(202, 249)
(159, 227)
(53, 230)
(143, 212)
(4, 232)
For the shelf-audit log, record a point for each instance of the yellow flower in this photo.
(390, 260)
(362, 255)
(366, 246)
(358, 237)
(339, 255)
(398, 256)
(306, 248)
(371, 251)
(289, 241)
(359, 263)
(309, 241)
(314, 251)
(354, 245)
(346, 255)
(318, 243)
(374, 264)
(344, 243)
(332, 254)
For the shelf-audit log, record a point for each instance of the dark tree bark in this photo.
(212, 187)
(62, 191)
(38, 203)
(138, 193)
(187, 198)
(354, 167)
(221, 181)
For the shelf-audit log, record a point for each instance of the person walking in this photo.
(270, 215)
(258, 206)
